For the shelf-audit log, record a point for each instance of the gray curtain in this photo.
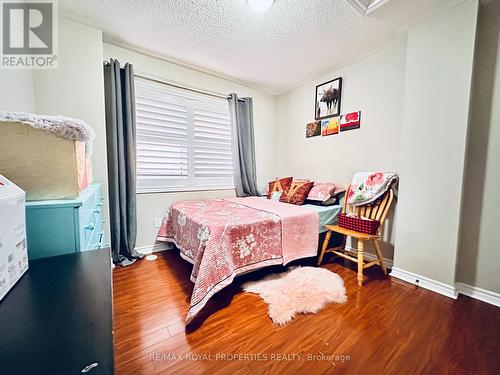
(120, 138)
(245, 177)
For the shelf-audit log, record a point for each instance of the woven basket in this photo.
(359, 225)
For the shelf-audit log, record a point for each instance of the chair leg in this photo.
(361, 250)
(344, 241)
(376, 243)
(325, 246)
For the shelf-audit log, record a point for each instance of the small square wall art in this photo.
(313, 129)
(329, 127)
(350, 121)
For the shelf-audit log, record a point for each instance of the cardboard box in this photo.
(13, 248)
(44, 165)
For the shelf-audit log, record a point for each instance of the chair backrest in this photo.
(375, 211)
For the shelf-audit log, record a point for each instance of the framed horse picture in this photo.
(327, 102)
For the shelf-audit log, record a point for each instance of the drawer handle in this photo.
(89, 367)
(90, 226)
(97, 210)
(99, 204)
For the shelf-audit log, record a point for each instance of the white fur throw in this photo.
(65, 127)
(301, 290)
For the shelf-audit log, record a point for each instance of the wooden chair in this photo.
(375, 211)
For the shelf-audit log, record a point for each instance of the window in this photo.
(184, 140)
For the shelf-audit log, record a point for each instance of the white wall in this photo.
(76, 89)
(434, 130)
(375, 86)
(17, 93)
(414, 102)
(151, 206)
(478, 262)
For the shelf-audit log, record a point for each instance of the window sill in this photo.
(182, 190)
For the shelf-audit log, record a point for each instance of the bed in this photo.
(224, 238)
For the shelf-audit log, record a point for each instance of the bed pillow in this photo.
(282, 184)
(297, 193)
(322, 191)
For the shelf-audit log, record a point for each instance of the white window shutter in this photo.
(213, 159)
(184, 140)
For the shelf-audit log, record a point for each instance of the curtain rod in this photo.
(181, 86)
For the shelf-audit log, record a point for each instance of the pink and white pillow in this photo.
(323, 191)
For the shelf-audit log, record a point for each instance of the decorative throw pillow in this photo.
(297, 193)
(279, 185)
(322, 191)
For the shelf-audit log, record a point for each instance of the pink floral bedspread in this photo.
(224, 238)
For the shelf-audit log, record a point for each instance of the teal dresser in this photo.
(56, 227)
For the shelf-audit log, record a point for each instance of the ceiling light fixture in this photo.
(260, 6)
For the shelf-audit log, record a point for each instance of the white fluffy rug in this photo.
(299, 290)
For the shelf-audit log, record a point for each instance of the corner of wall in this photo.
(436, 106)
(479, 237)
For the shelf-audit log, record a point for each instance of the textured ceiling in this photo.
(295, 41)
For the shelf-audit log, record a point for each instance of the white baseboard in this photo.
(370, 257)
(162, 246)
(484, 295)
(478, 293)
(424, 282)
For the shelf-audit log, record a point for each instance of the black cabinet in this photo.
(58, 317)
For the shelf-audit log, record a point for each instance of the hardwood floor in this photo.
(386, 326)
